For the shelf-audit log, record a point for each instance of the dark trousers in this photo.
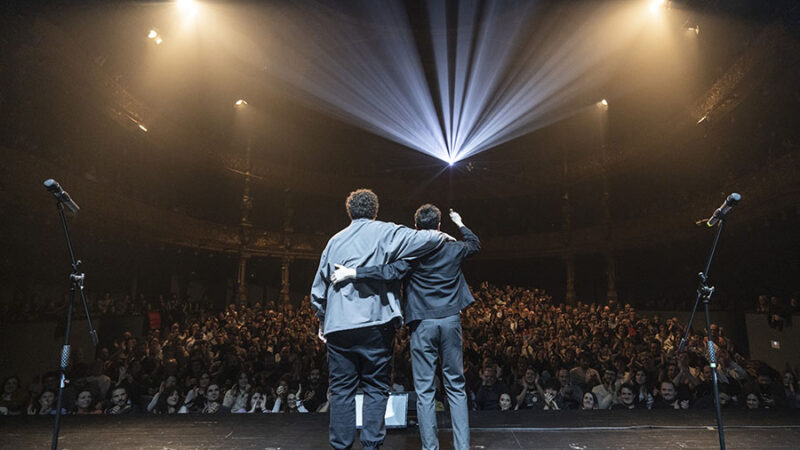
(359, 357)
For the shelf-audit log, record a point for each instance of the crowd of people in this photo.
(521, 351)
(779, 314)
(38, 308)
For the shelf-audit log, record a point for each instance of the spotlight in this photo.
(240, 102)
(153, 34)
(603, 104)
(187, 7)
(657, 5)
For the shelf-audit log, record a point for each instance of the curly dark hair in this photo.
(362, 204)
(427, 217)
(162, 407)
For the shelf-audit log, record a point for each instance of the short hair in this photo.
(427, 217)
(551, 383)
(362, 204)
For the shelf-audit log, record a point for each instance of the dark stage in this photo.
(490, 430)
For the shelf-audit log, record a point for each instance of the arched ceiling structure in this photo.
(79, 105)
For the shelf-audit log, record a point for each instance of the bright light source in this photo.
(657, 5)
(702, 119)
(695, 29)
(143, 128)
(603, 104)
(153, 34)
(187, 7)
(241, 102)
(492, 83)
(158, 40)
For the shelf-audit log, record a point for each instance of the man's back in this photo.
(365, 242)
(436, 286)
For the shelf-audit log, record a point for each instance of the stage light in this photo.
(187, 7)
(657, 5)
(493, 83)
(155, 37)
(240, 102)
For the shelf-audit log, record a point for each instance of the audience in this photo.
(521, 351)
(14, 399)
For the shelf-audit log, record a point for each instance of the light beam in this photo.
(502, 70)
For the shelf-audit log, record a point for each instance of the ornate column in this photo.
(245, 226)
(571, 297)
(611, 264)
(569, 259)
(241, 278)
(285, 279)
(286, 261)
(611, 272)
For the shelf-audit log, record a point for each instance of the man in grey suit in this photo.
(435, 293)
(358, 321)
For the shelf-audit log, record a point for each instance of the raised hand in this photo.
(260, 403)
(456, 218)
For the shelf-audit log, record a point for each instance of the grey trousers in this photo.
(430, 339)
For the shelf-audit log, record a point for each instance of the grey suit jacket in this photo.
(365, 243)
(434, 285)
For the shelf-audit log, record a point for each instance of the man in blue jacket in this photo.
(358, 321)
(435, 293)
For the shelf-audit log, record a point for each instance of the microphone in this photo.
(722, 212)
(61, 195)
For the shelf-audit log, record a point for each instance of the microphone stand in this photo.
(704, 292)
(76, 284)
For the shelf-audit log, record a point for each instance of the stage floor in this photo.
(517, 430)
